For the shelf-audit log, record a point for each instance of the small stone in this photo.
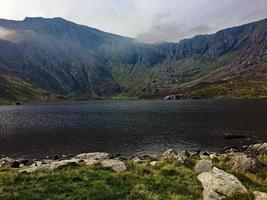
(115, 165)
(153, 163)
(203, 166)
(137, 160)
(21, 165)
(260, 195)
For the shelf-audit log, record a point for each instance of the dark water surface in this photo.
(128, 127)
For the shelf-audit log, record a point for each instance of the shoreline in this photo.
(256, 148)
(28, 102)
(171, 175)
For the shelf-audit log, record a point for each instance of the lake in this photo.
(128, 127)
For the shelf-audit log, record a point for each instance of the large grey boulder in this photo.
(245, 163)
(115, 165)
(203, 166)
(260, 195)
(219, 184)
(51, 166)
(93, 156)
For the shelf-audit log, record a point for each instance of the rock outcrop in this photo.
(245, 163)
(203, 166)
(219, 184)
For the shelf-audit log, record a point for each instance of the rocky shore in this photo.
(211, 169)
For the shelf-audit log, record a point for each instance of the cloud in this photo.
(14, 36)
(171, 32)
(148, 20)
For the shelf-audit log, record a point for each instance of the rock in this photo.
(219, 184)
(244, 163)
(170, 97)
(229, 149)
(29, 170)
(203, 166)
(203, 157)
(153, 163)
(47, 161)
(93, 156)
(213, 156)
(260, 195)
(137, 160)
(91, 162)
(260, 147)
(171, 155)
(115, 165)
(119, 157)
(185, 154)
(9, 162)
(196, 153)
(21, 165)
(149, 157)
(51, 166)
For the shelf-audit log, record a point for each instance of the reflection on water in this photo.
(128, 127)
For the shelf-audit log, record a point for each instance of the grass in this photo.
(250, 89)
(166, 180)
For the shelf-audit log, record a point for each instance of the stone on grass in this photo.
(203, 166)
(219, 184)
(153, 163)
(115, 165)
(245, 163)
(136, 160)
(260, 195)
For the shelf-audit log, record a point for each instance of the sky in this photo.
(147, 20)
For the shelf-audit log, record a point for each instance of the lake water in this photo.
(128, 127)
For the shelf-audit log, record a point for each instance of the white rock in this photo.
(91, 162)
(115, 165)
(260, 195)
(219, 184)
(153, 163)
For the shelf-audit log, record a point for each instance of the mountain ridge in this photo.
(69, 59)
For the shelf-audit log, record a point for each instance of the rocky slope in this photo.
(74, 60)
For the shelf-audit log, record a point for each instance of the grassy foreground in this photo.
(166, 180)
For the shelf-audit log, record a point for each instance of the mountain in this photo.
(58, 57)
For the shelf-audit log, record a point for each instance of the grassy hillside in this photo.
(13, 89)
